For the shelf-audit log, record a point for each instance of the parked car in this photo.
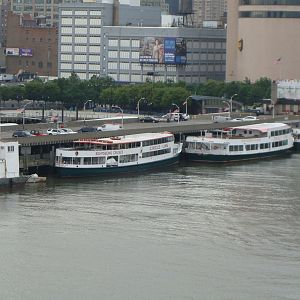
(108, 127)
(149, 119)
(237, 120)
(21, 133)
(87, 129)
(68, 130)
(36, 132)
(53, 131)
(174, 117)
(250, 118)
(220, 118)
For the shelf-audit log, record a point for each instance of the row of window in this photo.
(269, 2)
(252, 147)
(86, 160)
(156, 153)
(281, 132)
(270, 14)
(158, 141)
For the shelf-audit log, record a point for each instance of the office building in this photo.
(45, 8)
(263, 40)
(208, 10)
(89, 44)
(31, 47)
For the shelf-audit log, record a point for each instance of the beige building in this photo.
(263, 40)
(208, 10)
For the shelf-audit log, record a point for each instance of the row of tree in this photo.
(75, 92)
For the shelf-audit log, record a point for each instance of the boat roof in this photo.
(263, 127)
(125, 139)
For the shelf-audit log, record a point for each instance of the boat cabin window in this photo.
(10, 148)
(279, 143)
(264, 146)
(128, 158)
(76, 161)
(156, 153)
(236, 148)
(158, 141)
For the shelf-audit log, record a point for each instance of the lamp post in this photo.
(24, 113)
(178, 111)
(84, 110)
(186, 104)
(138, 106)
(226, 102)
(273, 108)
(231, 103)
(116, 106)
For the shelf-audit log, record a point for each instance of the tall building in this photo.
(47, 8)
(161, 3)
(208, 10)
(89, 44)
(263, 39)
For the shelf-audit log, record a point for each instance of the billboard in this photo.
(26, 52)
(12, 51)
(154, 50)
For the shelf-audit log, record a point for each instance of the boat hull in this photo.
(210, 158)
(82, 172)
(297, 145)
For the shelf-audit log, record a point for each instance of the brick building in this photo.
(31, 46)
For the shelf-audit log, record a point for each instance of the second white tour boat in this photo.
(240, 143)
(122, 154)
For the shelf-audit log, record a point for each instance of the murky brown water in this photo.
(193, 232)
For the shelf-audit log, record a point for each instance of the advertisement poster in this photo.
(155, 50)
(152, 50)
(25, 52)
(12, 51)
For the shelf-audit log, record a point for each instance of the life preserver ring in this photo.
(215, 147)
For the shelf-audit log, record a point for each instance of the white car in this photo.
(67, 130)
(237, 120)
(53, 131)
(250, 118)
(109, 127)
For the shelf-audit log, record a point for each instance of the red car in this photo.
(37, 132)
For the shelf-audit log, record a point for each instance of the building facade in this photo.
(30, 48)
(89, 45)
(45, 8)
(263, 39)
(208, 10)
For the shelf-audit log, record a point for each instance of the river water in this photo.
(188, 232)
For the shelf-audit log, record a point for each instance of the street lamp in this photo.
(228, 104)
(273, 108)
(178, 111)
(231, 102)
(84, 110)
(138, 106)
(186, 104)
(23, 111)
(116, 106)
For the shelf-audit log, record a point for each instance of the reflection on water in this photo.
(219, 231)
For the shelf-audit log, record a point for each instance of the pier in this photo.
(39, 151)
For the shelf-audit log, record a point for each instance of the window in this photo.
(10, 148)
(40, 64)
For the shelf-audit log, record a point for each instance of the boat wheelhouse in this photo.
(121, 154)
(240, 143)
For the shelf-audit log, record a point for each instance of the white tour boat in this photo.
(120, 154)
(240, 143)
